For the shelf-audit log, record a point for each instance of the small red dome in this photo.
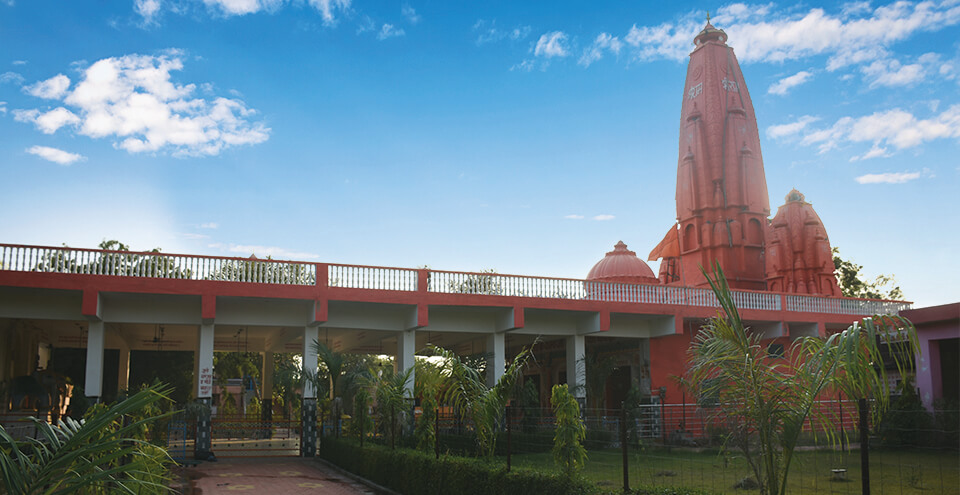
(622, 265)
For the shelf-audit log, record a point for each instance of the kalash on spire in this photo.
(722, 200)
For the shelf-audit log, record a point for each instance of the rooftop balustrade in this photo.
(68, 260)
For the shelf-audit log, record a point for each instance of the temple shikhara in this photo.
(722, 201)
(83, 316)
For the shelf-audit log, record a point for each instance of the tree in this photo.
(102, 453)
(769, 400)
(568, 451)
(853, 284)
(391, 392)
(428, 386)
(467, 391)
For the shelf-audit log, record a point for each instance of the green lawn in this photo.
(904, 472)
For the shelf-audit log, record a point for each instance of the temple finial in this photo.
(708, 17)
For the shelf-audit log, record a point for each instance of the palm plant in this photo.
(467, 391)
(568, 451)
(391, 392)
(103, 453)
(769, 400)
(428, 386)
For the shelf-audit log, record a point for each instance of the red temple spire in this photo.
(722, 200)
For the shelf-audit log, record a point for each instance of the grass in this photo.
(900, 472)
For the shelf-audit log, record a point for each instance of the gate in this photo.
(240, 436)
(236, 436)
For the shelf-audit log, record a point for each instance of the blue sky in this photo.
(527, 137)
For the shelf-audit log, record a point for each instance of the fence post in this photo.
(436, 432)
(509, 446)
(864, 447)
(623, 447)
(663, 414)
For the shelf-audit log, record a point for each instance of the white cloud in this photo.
(19, 62)
(890, 72)
(855, 8)
(784, 85)
(133, 100)
(761, 35)
(574, 217)
(329, 8)
(147, 9)
(150, 10)
(603, 217)
(603, 42)
(3, 107)
(389, 31)
(193, 236)
(875, 151)
(264, 251)
(54, 155)
(209, 225)
(49, 122)
(897, 128)
(410, 13)
(524, 66)
(787, 130)
(51, 89)
(11, 77)
(243, 7)
(488, 32)
(893, 177)
(551, 45)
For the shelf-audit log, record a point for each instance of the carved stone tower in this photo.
(722, 200)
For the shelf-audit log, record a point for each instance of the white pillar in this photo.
(308, 409)
(405, 355)
(576, 372)
(93, 386)
(310, 335)
(204, 375)
(496, 358)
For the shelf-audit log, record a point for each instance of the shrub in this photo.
(410, 471)
(568, 451)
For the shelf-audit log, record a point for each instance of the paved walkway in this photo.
(288, 475)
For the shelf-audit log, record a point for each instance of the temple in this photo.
(722, 200)
(89, 316)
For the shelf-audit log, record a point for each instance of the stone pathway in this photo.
(289, 475)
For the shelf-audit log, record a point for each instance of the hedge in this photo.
(408, 471)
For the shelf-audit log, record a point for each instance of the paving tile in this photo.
(271, 475)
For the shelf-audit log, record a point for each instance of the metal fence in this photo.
(911, 451)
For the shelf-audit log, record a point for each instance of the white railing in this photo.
(159, 265)
(372, 277)
(812, 304)
(495, 284)
(154, 265)
(561, 288)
